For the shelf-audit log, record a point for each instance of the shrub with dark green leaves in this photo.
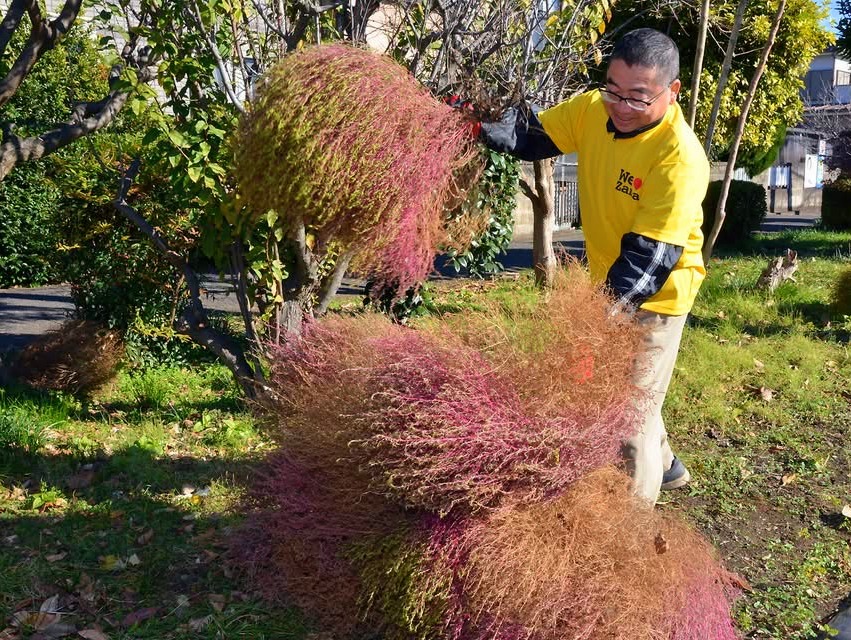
(28, 229)
(30, 212)
(836, 204)
(496, 194)
(746, 208)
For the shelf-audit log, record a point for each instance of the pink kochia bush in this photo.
(347, 143)
(424, 489)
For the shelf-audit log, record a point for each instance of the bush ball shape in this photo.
(593, 564)
(841, 294)
(77, 358)
(430, 422)
(346, 142)
(426, 486)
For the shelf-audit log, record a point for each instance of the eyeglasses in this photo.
(633, 103)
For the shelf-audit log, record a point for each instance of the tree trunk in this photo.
(333, 281)
(725, 73)
(194, 321)
(720, 212)
(540, 192)
(697, 69)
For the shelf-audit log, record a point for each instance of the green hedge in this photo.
(28, 232)
(746, 209)
(836, 204)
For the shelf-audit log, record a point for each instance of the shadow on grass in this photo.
(809, 242)
(827, 326)
(133, 412)
(133, 542)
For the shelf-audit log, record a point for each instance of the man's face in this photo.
(642, 83)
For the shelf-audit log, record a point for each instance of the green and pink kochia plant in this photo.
(594, 564)
(425, 490)
(356, 158)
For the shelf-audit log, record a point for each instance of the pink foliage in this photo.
(438, 445)
(346, 142)
(449, 431)
(431, 421)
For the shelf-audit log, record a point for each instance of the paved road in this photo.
(27, 313)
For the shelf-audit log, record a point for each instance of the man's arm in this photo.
(641, 269)
(519, 133)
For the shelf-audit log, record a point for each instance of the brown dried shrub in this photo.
(596, 564)
(77, 358)
(566, 349)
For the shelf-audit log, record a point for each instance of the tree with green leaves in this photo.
(83, 118)
(777, 102)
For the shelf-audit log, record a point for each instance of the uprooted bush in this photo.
(347, 143)
(446, 482)
(76, 358)
(594, 563)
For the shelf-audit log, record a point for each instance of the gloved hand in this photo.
(456, 102)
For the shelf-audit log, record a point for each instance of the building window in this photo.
(843, 77)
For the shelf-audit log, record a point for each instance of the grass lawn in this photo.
(120, 504)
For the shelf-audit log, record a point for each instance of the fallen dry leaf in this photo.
(92, 634)
(217, 601)
(789, 478)
(739, 581)
(744, 469)
(766, 394)
(56, 630)
(846, 511)
(47, 621)
(196, 624)
(758, 364)
(80, 480)
(112, 563)
(55, 557)
(134, 560)
(661, 544)
(139, 616)
(146, 537)
(86, 588)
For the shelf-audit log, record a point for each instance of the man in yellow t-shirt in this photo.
(642, 178)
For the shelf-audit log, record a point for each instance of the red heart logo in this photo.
(637, 183)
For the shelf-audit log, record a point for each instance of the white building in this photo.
(828, 80)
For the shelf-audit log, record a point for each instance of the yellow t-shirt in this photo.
(651, 184)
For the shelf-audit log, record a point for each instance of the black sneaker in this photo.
(675, 477)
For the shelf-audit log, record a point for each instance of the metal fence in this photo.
(566, 204)
(566, 193)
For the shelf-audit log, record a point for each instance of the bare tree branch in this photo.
(220, 63)
(194, 321)
(43, 37)
(11, 21)
(725, 73)
(697, 68)
(16, 150)
(720, 212)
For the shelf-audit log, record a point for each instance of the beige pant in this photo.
(647, 453)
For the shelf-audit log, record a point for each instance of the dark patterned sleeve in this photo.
(641, 269)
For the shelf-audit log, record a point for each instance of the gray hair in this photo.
(649, 48)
